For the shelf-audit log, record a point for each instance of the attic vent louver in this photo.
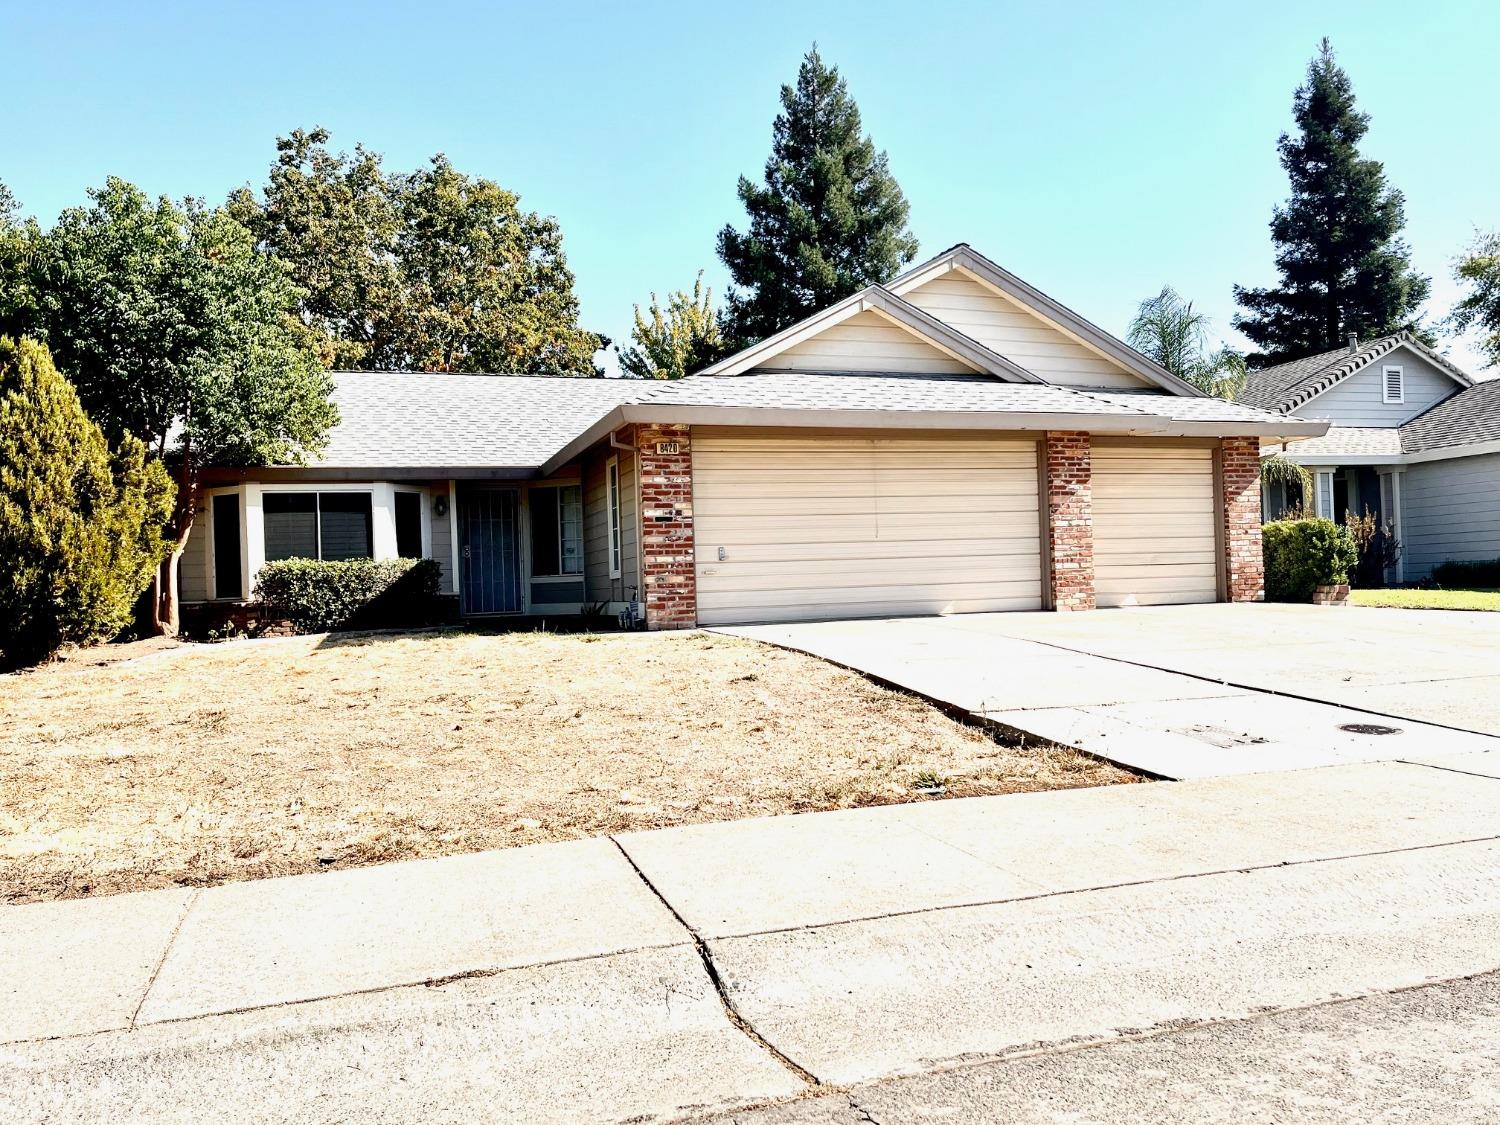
(1395, 384)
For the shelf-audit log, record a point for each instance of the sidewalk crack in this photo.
(187, 908)
(705, 956)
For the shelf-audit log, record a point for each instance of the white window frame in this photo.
(612, 506)
(572, 576)
(424, 517)
(1385, 383)
(211, 571)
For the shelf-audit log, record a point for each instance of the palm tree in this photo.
(1167, 330)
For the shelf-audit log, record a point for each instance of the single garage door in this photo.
(1155, 525)
(802, 526)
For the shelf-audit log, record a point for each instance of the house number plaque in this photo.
(665, 448)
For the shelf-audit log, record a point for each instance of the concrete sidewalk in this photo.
(673, 972)
(1190, 691)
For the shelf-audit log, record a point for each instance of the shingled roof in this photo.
(1287, 386)
(1469, 417)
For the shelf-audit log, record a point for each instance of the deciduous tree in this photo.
(677, 340)
(1478, 271)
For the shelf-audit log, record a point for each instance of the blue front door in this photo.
(490, 546)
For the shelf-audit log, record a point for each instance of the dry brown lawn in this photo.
(201, 764)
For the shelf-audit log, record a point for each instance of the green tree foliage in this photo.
(1478, 271)
(829, 220)
(80, 527)
(677, 340)
(1343, 267)
(332, 218)
(1277, 468)
(432, 270)
(1167, 329)
(174, 327)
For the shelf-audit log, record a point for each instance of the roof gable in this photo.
(1005, 326)
(1289, 386)
(838, 339)
(968, 262)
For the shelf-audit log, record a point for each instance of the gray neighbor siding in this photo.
(1357, 401)
(602, 588)
(1451, 510)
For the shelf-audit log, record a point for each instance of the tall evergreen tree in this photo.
(829, 220)
(1343, 267)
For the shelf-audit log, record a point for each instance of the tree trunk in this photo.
(168, 617)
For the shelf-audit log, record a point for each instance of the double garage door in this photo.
(804, 526)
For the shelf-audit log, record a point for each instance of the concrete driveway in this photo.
(1191, 691)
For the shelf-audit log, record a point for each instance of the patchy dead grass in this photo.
(273, 757)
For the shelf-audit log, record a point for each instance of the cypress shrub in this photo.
(80, 525)
(318, 597)
(1303, 554)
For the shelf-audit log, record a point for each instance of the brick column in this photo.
(665, 463)
(1244, 565)
(1070, 520)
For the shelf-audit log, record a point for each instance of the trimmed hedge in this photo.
(1303, 554)
(1482, 573)
(318, 597)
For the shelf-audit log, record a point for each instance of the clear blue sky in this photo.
(1099, 150)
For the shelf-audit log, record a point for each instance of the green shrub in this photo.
(1303, 554)
(80, 525)
(317, 597)
(1476, 573)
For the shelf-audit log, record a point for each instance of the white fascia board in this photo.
(1270, 430)
(1451, 453)
(833, 418)
(975, 265)
(606, 425)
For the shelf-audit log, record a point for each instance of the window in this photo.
(226, 523)
(556, 531)
(1395, 384)
(318, 525)
(612, 482)
(409, 525)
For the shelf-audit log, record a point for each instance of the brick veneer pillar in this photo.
(664, 457)
(1070, 520)
(1244, 565)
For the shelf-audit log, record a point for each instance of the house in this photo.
(952, 441)
(1412, 439)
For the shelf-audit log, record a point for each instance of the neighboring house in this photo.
(952, 441)
(1412, 439)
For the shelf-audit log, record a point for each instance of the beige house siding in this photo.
(839, 524)
(600, 586)
(192, 567)
(1359, 399)
(1018, 334)
(866, 341)
(1155, 525)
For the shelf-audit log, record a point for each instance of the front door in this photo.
(490, 550)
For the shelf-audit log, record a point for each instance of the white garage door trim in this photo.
(810, 525)
(1156, 534)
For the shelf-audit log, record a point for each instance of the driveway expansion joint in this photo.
(187, 908)
(705, 955)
